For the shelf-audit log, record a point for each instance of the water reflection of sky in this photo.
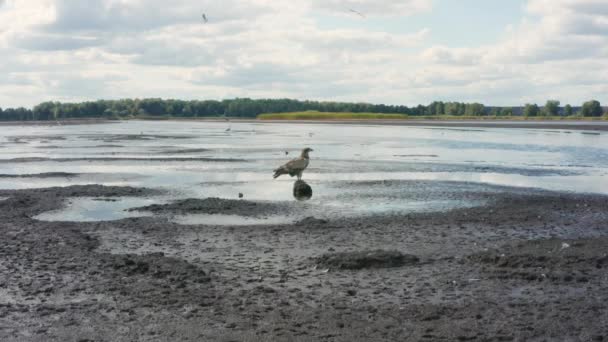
(549, 159)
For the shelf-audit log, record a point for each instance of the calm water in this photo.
(348, 167)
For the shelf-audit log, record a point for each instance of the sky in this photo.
(409, 52)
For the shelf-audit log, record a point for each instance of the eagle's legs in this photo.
(300, 175)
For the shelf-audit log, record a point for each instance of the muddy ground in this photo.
(529, 266)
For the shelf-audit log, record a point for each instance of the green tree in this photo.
(506, 111)
(568, 110)
(592, 108)
(474, 109)
(551, 108)
(531, 110)
(494, 111)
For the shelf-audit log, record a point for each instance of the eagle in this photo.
(294, 167)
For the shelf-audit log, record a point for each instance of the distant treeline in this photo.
(250, 108)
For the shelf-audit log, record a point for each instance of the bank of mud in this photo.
(527, 266)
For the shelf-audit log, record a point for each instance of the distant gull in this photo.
(296, 166)
(357, 12)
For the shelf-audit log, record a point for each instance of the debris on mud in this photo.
(366, 259)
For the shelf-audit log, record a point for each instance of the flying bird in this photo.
(205, 18)
(295, 167)
(357, 12)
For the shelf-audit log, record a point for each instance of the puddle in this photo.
(90, 209)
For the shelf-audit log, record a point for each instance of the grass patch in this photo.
(314, 115)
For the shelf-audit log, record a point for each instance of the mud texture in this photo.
(528, 266)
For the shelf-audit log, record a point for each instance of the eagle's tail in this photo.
(278, 172)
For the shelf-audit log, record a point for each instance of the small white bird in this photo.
(295, 167)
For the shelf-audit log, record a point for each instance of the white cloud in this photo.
(76, 50)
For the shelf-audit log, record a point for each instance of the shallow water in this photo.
(347, 163)
(87, 209)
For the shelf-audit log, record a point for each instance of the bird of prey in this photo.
(357, 12)
(205, 18)
(295, 167)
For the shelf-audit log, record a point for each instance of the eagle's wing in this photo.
(297, 164)
(292, 167)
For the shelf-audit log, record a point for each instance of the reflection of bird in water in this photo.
(229, 125)
(357, 12)
(205, 18)
(295, 167)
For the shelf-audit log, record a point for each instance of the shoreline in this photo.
(577, 125)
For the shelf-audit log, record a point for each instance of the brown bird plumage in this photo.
(294, 167)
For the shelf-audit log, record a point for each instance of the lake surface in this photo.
(354, 169)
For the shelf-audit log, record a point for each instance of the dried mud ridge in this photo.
(365, 259)
(214, 205)
(529, 266)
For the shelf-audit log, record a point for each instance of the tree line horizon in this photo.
(251, 108)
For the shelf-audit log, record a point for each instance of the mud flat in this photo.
(528, 266)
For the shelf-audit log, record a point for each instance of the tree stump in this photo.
(302, 191)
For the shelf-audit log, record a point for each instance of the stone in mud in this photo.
(302, 191)
(366, 259)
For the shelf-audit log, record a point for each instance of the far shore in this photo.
(586, 125)
(58, 122)
(561, 125)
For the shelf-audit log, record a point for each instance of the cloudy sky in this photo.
(402, 52)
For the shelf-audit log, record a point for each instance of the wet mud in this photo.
(528, 266)
(42, 175)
